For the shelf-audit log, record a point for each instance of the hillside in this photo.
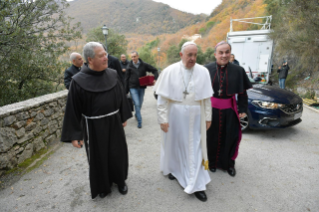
(213, 29)
(133, 16)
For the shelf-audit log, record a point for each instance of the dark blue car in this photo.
(270, 107)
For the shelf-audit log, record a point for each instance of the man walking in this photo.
(184, 114)
(124, 63)
(283, 73)
(224, 136)
(77, 62)
(97, 100)
(136, 69)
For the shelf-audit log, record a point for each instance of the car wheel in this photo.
(244, 123)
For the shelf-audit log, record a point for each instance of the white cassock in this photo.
(183, 152)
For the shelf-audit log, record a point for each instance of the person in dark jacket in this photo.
(233, 60)
(124, 63)
(77, 62)
(136, 69)
(283, 73)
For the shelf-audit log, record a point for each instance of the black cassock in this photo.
(223, 136)
(100, 97)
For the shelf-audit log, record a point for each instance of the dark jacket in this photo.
(133, 74)
(283, 72)
(124, 66)
(235, 62)
(68, 74)
(114, 63)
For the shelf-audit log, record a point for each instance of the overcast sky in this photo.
(193, 6)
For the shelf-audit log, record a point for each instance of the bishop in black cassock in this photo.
(97, 104)
(224, 135)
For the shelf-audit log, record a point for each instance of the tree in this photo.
(116, 43)
(296, 29)
(146, 55)
(33, 36)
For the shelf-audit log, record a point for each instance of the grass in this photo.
(24, 167)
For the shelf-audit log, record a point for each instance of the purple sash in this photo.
(231, 103)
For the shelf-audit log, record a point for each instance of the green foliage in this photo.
(202, 30)
(202, 58)
(153, 43)
(296, 30)
(145, 54)
(116, 43)
(173, 54)
(209, 56)
(210, 24)
(33, 36)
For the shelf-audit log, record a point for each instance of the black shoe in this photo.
(171, 177)
(123, 189)
(102, 195)
(231, 171)
(213, 169)
(139, 125)
(201, 196)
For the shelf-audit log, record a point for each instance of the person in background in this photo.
(124, 62)
(77, 63)
(233, 60)
(136, 69)
(283, 73)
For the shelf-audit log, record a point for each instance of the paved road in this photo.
(276, 171)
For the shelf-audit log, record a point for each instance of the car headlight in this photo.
(268, 105)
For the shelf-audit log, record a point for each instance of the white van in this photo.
(253, 49)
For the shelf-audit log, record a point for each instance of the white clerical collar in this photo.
(189, 69)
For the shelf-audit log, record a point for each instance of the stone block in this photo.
(30, 126)
(53, 104)
(53, 126)
(48, 112)
(44, 121)
(50, 138)
(23, 116)
(25, 138)
(33, 114)
(39, 117)
(9, 120)
(58, 134)
(37, 130)
(4, 160)
(38, 144)
(20, 133)
(45, 134)
(8, 160)
(19, 124)
(13, 160)
(19, 150)
(57, 109)
(7, 139)
(27, 153)
(56, 115)
(62, 102)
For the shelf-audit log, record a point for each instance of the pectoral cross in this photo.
(185, 93)
(219, 92)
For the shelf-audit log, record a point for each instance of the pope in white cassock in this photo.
(184, 113)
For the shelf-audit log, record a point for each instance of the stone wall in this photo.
(29, 126)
